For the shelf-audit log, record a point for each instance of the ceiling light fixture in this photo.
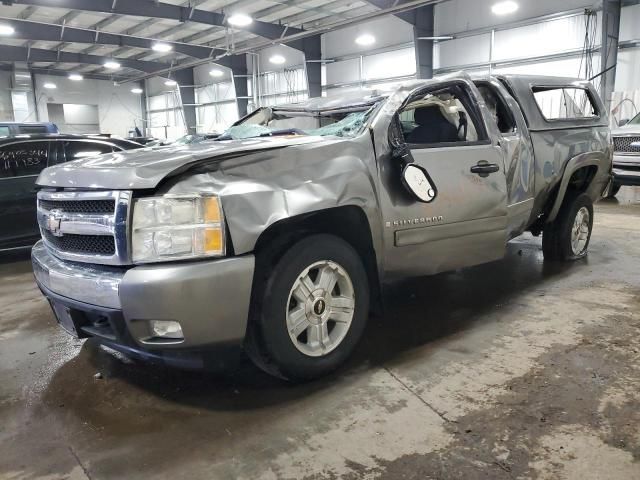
(49, 86)
(162, 47)
(366, 39)
(75, 77)
(438, 38)
(216, 72)
(170, 83)
(112, 65)
(137, 91)
(239, 20)
(504, 8)
(7, 30)
(277, 59)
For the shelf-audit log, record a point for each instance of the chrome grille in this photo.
(626, 144)
(86, 227)
(83, 244)
(85, 206)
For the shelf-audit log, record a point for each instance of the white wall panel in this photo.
(630, 23)
(390, 64)
(544, 38)
(6, 112)
(201, 74)
(462, 15)
(119, 109)
(567, 67)
(388, 31)
(293, 58)
(463, 51)
(628, 70)
(343, 72)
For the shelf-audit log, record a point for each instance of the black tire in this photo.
(556, 237)
(614, 190)
(268, 342)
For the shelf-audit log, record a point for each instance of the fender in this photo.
(595, 158)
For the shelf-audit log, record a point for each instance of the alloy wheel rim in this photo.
(580, 231)
(320, 308)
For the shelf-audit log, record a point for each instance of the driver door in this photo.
(466, 223)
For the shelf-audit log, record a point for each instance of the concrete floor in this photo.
(516, 369)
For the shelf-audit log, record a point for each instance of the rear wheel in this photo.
(311, 309)
(567, 238)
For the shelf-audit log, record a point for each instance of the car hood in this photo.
(626, 130)
(147, 167)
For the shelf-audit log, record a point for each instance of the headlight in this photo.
(176, 227)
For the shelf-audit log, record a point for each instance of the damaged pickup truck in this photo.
(277, 237)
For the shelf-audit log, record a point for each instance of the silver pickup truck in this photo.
(277, 237)
(626, 155)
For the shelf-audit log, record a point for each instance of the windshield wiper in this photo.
(284, 131)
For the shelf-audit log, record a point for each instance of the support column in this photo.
(187, 82)
(423, 26)
(609, 50)
(144, 127)
(240, 76)
(312, 48)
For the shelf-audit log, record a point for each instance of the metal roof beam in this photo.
(10, 53)
(408, 17)
(153, 8)
(39, 31)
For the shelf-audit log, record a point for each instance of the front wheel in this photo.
(311, 311)
(568, 236)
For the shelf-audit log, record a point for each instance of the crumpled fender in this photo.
(598, 159)
(260, 189)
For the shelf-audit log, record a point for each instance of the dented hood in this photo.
(146, 168)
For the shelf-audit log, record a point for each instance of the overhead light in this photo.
(239, 20)
(162, 47)
(277, 59)
(136, 90)
(170, 83)
(438, 37)
(366, 39)
(216, 72)
(49, 86)
(112, 65)
(75, 77)
(504, 8)
(7, 30)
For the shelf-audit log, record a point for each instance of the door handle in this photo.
(484, 168)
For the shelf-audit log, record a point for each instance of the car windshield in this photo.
(267, 122)
(635, 120)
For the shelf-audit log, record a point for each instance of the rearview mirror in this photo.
(417, 181)
(623, 122)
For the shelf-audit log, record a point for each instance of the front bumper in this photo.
(626, 169)
(209, 298)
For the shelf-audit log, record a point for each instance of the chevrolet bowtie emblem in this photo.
(54, 220)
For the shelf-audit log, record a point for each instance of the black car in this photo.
(22, 157)
(30, 128)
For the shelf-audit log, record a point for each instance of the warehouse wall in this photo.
(550, 45)
(463, 15)
(118, 108)
(6, 109)
(352, 66)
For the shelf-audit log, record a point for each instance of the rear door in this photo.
(511, 128)
(20, 164)
(466, 222)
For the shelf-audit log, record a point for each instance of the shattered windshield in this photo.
(268, 122)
